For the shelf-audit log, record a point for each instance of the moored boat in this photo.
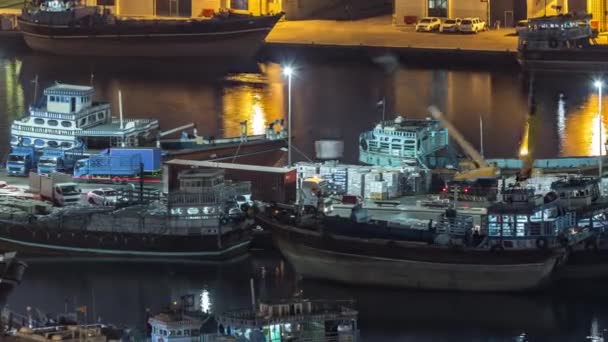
(56, 28)
(200, 220)
(516, 249)
(561, 42)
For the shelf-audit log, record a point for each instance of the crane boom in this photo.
(527, 151)
(467, 148)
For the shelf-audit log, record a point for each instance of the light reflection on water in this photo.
(121, 292)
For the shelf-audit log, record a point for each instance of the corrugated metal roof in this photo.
(229, 166)
(68, 90)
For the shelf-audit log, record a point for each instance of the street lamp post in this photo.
(288, 71)
(598, 85)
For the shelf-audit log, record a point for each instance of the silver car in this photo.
(450, 25)
(105, 197)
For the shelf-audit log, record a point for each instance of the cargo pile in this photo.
(369, 182)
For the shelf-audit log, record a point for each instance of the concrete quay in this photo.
(379, 35)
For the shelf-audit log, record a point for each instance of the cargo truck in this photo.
(58, 160)
(57, 188)
(119, 164)
(21, 161)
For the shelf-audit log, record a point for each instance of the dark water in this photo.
(122, 292)
(331, 99)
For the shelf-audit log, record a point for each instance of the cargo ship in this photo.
(517, 247)
(204, 218)
(561, 42)
(62, 29)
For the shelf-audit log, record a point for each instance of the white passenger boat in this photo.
(68, 118)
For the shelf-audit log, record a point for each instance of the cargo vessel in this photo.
(60, 29)
(561, 42)
(202, 219)
(519, 244)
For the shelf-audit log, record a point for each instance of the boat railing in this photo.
(139, 125)
(42, 113)
(202, 198)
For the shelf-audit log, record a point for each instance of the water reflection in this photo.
(330, 100)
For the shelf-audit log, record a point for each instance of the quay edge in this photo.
(412, 54)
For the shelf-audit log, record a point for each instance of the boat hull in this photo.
(223, 151)
(591, 58)
(148, 38)
(36, 242)
(313, 258)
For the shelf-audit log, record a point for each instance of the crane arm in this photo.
(177, 129)
(527, 151)
(467, 148)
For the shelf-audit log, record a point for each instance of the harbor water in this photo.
(331, 99)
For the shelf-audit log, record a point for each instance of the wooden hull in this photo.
(380, 263)
(38, 241)
(219, 152)
(591, 58)
(213, 39)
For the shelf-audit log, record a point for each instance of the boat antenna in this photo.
(481, 134)
(121, 117)
(251, 286)
(92, 78)
(35, 81)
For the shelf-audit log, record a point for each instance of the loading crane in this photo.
(526, 151)
(476, 167)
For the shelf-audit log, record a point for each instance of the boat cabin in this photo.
(292, 320)
(175, 327)
(68, 118)
(560, 32)
(404, 142)
(525, 221)
(577, 192)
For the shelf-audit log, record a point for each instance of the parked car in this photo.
(106, 196)
(450, 25)
(428, 24)
(521, 25)
(472, 25)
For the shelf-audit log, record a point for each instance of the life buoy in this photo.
(363, 144)
(541, 243)
(553, 43)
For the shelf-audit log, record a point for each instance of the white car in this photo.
(450, 25)
(521, 25)
(472, 25)
(106, 197)
(428, 24)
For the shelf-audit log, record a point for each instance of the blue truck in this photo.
(58, 160)
(21, 161)
(119, 164)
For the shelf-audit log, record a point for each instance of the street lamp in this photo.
(599, 84)
(288, 71)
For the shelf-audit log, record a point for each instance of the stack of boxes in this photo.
(355, 181)
(392, 179)
(378, 183)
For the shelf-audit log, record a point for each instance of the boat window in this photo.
(52, 123)
(92, 118)
(507, 225)
(101, 115)
(66, 124)
(39, 142)
(83, 121)
(53, 143)
(26, 141)
(520, 228)
(14, 139)
(39, 121)
(66, 144)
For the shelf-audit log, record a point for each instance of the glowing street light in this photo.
(599, 84)
(288, 71)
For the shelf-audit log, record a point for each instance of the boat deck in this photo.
(113, 129)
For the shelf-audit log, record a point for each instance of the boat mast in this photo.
(121, 120)
(35, 81)
(481, 134)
